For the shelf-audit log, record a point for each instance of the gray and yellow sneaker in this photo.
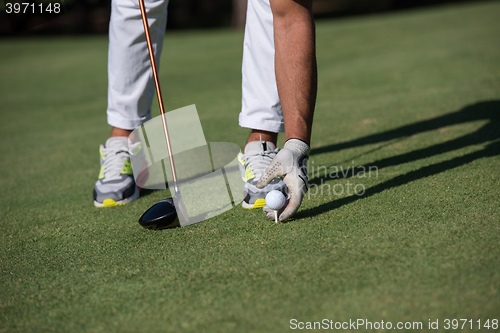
(115, 184)
(253, 162)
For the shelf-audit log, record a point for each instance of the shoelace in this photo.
(114, 160)
(260, 161)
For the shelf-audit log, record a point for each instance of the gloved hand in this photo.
(290, 164)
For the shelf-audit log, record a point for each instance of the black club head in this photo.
(162, 215)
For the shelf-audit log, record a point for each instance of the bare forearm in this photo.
(295, 64)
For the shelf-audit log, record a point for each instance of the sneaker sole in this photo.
(112, 203)
(259, 203)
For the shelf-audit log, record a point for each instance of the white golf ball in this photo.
(275, 200)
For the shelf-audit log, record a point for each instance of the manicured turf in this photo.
(416, 94)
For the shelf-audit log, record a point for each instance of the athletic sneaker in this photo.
(253, 162)
(115, 184)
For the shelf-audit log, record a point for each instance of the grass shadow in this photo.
(145, 192)
(489, 133)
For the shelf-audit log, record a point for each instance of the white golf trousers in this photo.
(130, 80)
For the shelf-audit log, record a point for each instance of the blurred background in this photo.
(92, 16)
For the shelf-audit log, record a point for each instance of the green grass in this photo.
(416, 94)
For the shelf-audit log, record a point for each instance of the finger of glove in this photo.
(279, 166)
(267, 209)
(290, 209)
(296, 190)
(270, 213)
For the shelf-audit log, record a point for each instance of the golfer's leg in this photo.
(130, 82)
(261, 109)
(296, 77)
(295, 63)
(130, 92)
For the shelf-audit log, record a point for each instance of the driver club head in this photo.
(162, 215)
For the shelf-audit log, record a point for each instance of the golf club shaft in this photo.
(158, 92)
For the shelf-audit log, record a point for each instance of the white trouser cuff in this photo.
(260, 107)
(126, 123)
(275, 126)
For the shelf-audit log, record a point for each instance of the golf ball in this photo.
(275, 200)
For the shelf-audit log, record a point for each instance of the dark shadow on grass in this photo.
(145, 192)
(493, 149)
(489, 133)
(489, 110)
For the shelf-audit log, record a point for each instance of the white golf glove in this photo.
(291, 165)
